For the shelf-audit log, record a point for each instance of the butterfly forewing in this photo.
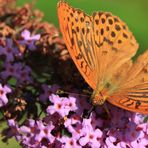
(76, 28)
(114, 43)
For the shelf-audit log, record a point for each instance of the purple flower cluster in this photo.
(18, 71)
(65, 127)
(9, 51)
(13, 67)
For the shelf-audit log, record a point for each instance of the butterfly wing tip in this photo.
(61, 2)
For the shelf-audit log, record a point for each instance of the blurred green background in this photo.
(133, 12)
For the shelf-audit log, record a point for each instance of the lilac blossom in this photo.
(17, 70)
(61, 105)
(69, 142)
(90, 136)
(74, 126)
(33, 134)
(28, 40)
(27, 35)
(24, 75)
(9, 51)
(4, 90)
(10, 70)
(45, 131)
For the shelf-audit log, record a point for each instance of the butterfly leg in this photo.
(107, 110)
(87, 113)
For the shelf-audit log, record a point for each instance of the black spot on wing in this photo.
(138, 103)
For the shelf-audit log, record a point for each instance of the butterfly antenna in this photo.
(60, 92)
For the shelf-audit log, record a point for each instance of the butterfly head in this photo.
(98, 98)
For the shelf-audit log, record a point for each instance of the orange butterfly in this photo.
(101, 47)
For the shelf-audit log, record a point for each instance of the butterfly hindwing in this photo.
(133, 93)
